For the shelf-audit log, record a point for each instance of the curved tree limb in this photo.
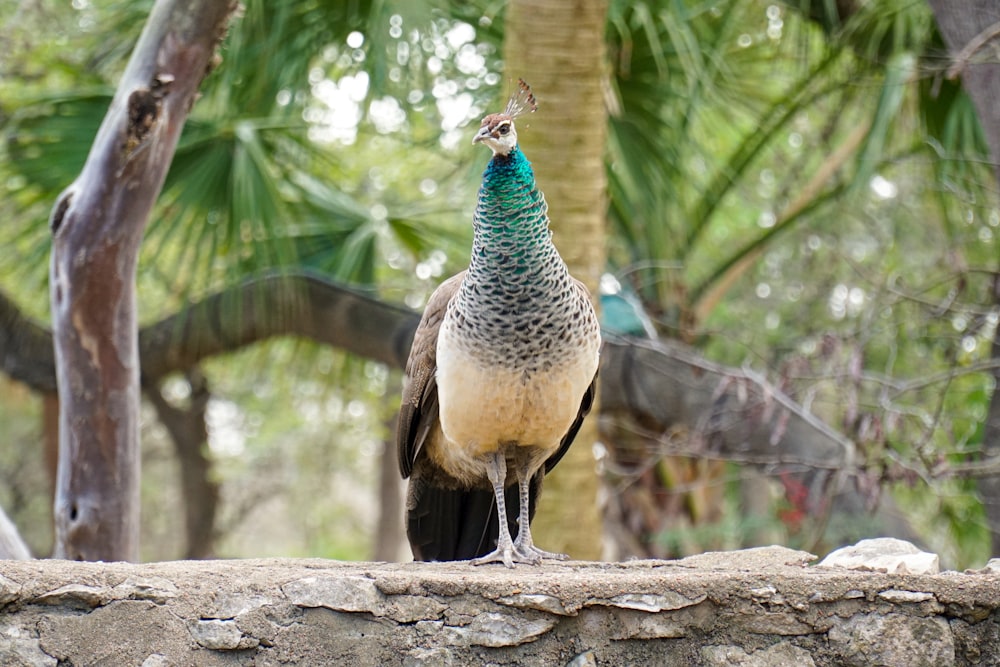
(26, 353)
(727, 413)
(735, 412)
(302, 305)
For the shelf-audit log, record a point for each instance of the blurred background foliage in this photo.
(794, 187)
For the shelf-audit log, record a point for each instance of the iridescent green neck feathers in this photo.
(511, 222)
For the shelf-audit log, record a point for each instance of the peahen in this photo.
(501, 373)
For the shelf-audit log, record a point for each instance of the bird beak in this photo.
(484, 133)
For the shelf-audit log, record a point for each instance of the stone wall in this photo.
(755, 607)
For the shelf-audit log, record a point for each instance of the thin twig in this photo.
(970, 49)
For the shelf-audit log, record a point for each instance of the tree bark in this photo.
(971, 29)
(301, 305)
(558, 47)
(97, 225)
(26, 352)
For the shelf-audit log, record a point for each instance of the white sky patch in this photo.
(225, 428)
(338, 121)
(468, 60)
(176, 389)
(428, 186)
(387, 115)
(883, 188)
(455, 111)
(846, 301)
(336, 112)
(451, 139)
(609, 284)
(459, 34)
(432, 267)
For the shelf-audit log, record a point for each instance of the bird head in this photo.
(497, 129)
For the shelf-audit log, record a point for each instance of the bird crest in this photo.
(497, 129)
(521, 101)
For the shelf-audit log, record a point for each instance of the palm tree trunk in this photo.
(558, 47)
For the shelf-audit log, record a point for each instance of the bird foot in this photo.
(533, 552)
(508, 555)
(518, 553)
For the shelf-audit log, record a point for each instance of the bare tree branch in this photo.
(200, 489)
(26, 353)
(974, 45)
(301, 305)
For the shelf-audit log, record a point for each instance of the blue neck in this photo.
(514, 268)
(504, 170)
(510, 216)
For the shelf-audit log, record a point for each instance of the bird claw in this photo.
(525, 546)
(518, 553)
(531, 551)
(499, 555)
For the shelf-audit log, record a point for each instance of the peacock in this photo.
(501, 373)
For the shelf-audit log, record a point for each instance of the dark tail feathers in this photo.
(449, 524)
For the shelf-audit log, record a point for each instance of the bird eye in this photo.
(503, 129)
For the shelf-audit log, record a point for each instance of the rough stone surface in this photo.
(884, 554)
(24, 651)
(753, 608)
(220, 635)
(894, 639)
(992, 566)
(778, 655)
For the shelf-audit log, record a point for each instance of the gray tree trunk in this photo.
(97, 225)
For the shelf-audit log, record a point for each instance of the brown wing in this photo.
(418, 414)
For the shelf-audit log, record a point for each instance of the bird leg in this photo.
(496, 470)
(524, 546)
